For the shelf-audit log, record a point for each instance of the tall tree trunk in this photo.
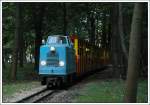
(114, 40)
(21, 51)
(65, 19)
(104, 30)
(88, 24)
(134, 54)
(123, 49)
(38, 16)
(16, 40)
(121, 32)
(109, 37)
(21, 41)
(96, 33)
(92, 21)
(3, 57)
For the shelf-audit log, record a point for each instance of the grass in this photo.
(26, 80)
(109, 91)
(11, 88)
(142, 94)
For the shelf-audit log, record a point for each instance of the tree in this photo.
(38, 14)
(65, 18)
(92, 24)
(124, 51)
(134, 54)
(115, 43)
(8, 29)
(104, 29)
(121, 31)
(91, 17)
(3, 59)
(21, 40)
(16, 42)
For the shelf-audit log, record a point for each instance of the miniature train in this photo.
(64, 59)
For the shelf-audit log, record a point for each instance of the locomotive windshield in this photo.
(56, 40)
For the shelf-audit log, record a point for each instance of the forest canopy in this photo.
(105, 24)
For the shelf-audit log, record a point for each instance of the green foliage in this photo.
(77, 19)
(8, 22)
(142, 94)
(109, 91)
(26, 73)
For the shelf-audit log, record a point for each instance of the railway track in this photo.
(36, 97)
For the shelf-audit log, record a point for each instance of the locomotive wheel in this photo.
(43, 82)
(49, 83)
(59, 83)
(49, 86)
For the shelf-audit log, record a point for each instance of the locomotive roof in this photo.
(57, 35)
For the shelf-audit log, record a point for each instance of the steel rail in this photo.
(36, 96)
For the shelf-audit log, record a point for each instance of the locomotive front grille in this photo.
(52, 59)
(52, 62)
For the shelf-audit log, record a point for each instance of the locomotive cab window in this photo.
(68, 41)
(56, 40)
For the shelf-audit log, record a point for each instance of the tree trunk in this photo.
(21, 51)
(109, 37)
(38, 20)
(3, 57)
(114, 40)
(123, 49)
(88, 24)
(21, 41)
(65, 19)
(38, 40)
(104, 30)
(121, 32)
(96, 33)
(16, 40)
(92, 21)
(134, 55)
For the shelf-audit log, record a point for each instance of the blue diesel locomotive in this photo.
(64, 59)
(57, 61)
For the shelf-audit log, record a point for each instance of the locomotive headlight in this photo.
(52, 48)
(61, 63)
(43, 63)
